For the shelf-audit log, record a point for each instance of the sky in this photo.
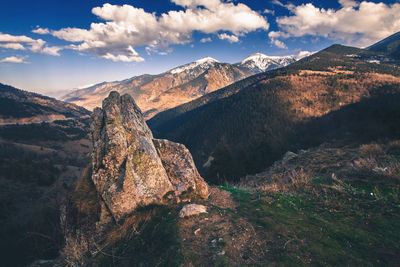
(53, 46)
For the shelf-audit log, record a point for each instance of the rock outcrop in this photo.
(130, 168)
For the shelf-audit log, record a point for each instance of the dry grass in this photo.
(85, 195)
(74, 251)
(372, 161)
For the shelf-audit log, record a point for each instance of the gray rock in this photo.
(181, 170)
(127, 170)
(289, 156)
(192, 210)
(130, 169)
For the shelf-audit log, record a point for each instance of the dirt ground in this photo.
(220, 237)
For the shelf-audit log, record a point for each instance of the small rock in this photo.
(221, 253)
(289, 156)
(192, 210)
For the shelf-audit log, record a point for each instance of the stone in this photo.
(181, 170)
(289, 156)
(192, 210)
(127, 170)
(131, 169)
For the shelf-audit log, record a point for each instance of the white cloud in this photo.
(15, 46)
(230, 38)
(274, 37)
(13, 59)
(205, 40)
(303, 54)
(127, 26)
(39, 30)
(279, 44)
(8, 38)
(348, 3)
(132, 56)
(22, 42)
(269, 11)
(355, 23)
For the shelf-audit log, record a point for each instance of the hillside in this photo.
(389, 46)
(156, 93)
(330, 205)
(258, 122)
(43, 149)
(18, 106)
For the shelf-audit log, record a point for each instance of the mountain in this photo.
(18, 106)
(389, 46)
(156, 93)
(252, 123)
(259, 62)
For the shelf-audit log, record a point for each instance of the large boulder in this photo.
(181, 170)
(128, 170)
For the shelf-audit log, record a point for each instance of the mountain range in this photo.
(253, 122)
(155, 93)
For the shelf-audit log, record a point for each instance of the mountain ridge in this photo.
(159, 92)
(19, 106)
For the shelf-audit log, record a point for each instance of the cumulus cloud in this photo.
(39, 30)
(354, 23)
(132, 56)
(230, 38)
(205, 40)
(279, 44)
(127, 27)
(15, 46)
(274, 37)
(13, 59)
(22, 42)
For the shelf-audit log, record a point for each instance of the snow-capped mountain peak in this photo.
(207, 60)
(203, 63)
(262, 62)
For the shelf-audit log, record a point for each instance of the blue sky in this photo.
(51, 46)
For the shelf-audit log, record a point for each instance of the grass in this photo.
(155, 242)
(358, 226)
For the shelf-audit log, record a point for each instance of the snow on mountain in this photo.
(203, 63)
(260, 62)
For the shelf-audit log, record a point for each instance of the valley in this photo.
(272, 161)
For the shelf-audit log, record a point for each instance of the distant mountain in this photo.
(389, 46)
(260, 62)
(155, 93)
(193, 67)
(253, 122)
(18, 106)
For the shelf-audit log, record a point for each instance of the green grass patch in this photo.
(356, 227)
